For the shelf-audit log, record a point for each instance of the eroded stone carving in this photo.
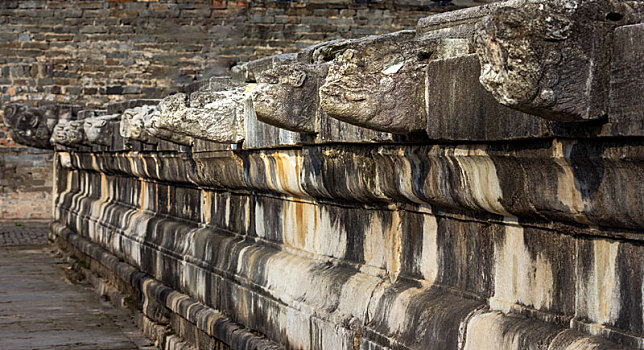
(69, 133)
(216, 116)
(133, 124)
(31, 126)
(548, 58)
(154, 127)
(98, 130)
(378, 84)
(287, 96)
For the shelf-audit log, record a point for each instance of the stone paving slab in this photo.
(23, 233)
(41, 309)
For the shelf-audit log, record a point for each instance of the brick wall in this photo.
(94, 52)
(25, 181)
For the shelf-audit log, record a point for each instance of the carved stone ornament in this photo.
(153, 126)
(98, 130)
(287, 96)
(216, 116)
(548, 58)
(31, 126)
(69, 133)
(377, 84)
(133, 124)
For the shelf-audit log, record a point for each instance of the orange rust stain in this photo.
(279, 161)
(143, 195)
(300, 224)
(297, 165)
(285, 169)
(395, 235)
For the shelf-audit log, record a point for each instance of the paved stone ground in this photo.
(41, 309)
(22, 233)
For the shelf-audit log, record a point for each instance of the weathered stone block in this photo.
(334, 130)
(459, 108)
(550, 58)
(90, 113)
(626, 111)
(216, 116)
(279, 87)
(98, 130)
(120, 107)
(409, 315)
(496, 330)
(440, 249)
(261, 135)
(611, 276)
(377, 84)
(248, 72)
(532, 272)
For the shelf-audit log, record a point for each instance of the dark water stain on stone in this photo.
(630, 276)
(557, 251)
(465, 255)
(587, 167)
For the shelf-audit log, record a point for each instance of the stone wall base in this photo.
(172, 320)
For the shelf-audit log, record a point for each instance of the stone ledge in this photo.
(518, 180)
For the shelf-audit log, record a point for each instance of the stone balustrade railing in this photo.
(472, 184)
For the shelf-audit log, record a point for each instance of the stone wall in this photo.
(25, 180)
(473, 183)
(89, 53)
(94, 52)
